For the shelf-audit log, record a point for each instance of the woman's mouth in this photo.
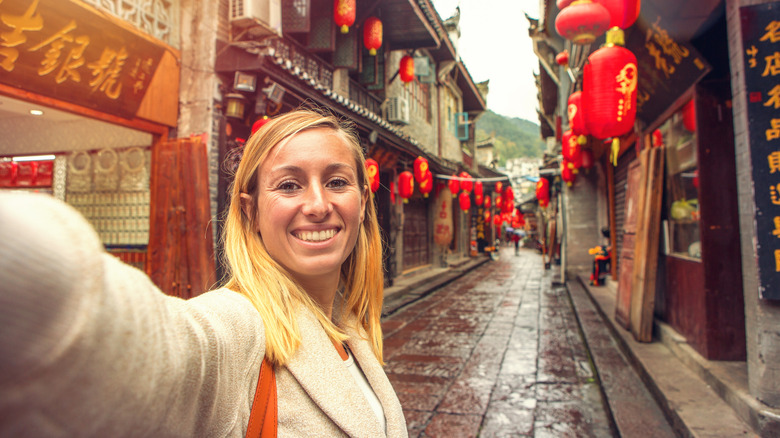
(315, 236)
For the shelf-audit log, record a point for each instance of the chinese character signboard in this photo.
(442, 220)
(667, 67)
(761, 51)
(71, 52)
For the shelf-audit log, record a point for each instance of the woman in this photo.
(90, 347)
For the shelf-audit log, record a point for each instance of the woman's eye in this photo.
(288, 186)
(338, 183)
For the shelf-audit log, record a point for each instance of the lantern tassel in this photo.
(615, 150)
(344, 29)
(372, 52)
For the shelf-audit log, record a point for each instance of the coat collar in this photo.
(337, 394)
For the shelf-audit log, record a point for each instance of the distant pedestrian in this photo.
(516, 240)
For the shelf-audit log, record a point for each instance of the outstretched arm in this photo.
(90, 347)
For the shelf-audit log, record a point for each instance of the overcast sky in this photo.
(494, 44)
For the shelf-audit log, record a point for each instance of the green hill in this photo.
(515, 138)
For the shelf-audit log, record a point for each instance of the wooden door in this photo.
(180, 257)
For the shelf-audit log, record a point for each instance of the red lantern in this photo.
(499, 202)
(344, 14)
(466, 182)
(563, 3)
(392, 192)
(405, 185)
(420, 167)
(582, 22)
(509, 199)
(478, 198)
(689, 116)
(587, 158)
(623, 13)
(487, 201)
(576, 115)
(426, 185)
(562, 58)
(487, 216)
(454, 185)
(406, 69)
(499, 185)
(465, 201)
(543, 191)
(372, 35)
(497, 220)
(259, 123)
(567, 173)
(609, 90)
(658, 138)
(478, 189)
(372, 170)
(572, 152)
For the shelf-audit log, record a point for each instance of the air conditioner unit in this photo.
(397, 110)
(259, 17)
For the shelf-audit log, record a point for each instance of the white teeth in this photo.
(316, 236)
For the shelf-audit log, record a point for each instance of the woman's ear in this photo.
(246, 206)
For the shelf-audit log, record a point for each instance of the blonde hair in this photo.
(254, 273)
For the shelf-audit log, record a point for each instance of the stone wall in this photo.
(762, 317)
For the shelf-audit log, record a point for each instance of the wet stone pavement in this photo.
(495, 353)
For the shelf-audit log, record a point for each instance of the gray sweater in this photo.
(90, 347)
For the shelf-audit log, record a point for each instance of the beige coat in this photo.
(90, 347)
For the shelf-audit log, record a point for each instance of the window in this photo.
(678, 136)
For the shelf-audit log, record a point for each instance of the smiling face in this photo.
(310, 205)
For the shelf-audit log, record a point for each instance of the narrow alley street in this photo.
(497, 352)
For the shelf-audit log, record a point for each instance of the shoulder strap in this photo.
(262, 418)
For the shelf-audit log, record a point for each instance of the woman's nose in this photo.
(316, 202)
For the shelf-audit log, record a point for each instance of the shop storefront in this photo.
(87, 102)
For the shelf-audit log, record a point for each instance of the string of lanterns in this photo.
(605, 108)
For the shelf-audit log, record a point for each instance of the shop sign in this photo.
(442, 221)
(73, 53)
(667, 67)
(761, 51)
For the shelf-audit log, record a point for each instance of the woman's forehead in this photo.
(310, 146)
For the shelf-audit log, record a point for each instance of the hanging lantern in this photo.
(658, 138)
(572, 151)
(543, 192)
(454, 185)
(420, 167)
(689, 116)
(478, 198)
(259, 123)
(372, 34)
(466, 182)
(372, 170)
(582, 21)
(464, 200)
(487, 201)
(406, 69)
(587, 159)
(499, 202)
(576, 115)
(562, 58)
(499, 186)
(478, 189)
(392, 192)
(567, 173)
(405, 185)
(426, 185)
(609, 91)
(487, 216)
(344, 14)
(509, 199)
(623, 13)
(497, 220)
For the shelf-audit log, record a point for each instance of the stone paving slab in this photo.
(497, 353)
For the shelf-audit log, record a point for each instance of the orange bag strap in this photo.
(262, 418)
